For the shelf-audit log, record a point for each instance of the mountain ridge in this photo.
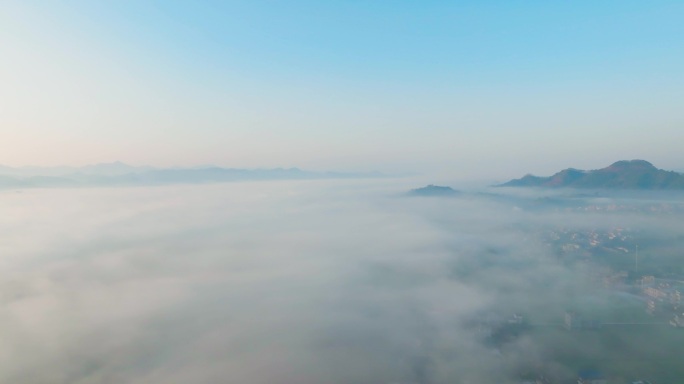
(120, 174)
(623, 174)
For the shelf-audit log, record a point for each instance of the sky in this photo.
(471, 89)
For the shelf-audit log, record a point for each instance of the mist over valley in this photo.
(332, 281)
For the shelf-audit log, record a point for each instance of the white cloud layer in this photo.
(271, 282)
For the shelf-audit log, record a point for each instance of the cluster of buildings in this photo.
(656, 208)
(573, 241)
(584, 377)
(664, 296)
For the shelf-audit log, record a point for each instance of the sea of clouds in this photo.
(270, 282)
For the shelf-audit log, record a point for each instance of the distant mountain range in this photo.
(624, 174)
(120, 174)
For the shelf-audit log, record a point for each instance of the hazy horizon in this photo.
(78, 175)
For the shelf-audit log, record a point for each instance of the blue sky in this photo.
(469, 88)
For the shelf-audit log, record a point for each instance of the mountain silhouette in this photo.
(624, 174)
(434, 190)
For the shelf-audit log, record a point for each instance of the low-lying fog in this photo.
(277, 282)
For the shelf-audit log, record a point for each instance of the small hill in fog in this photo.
(434, 190)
